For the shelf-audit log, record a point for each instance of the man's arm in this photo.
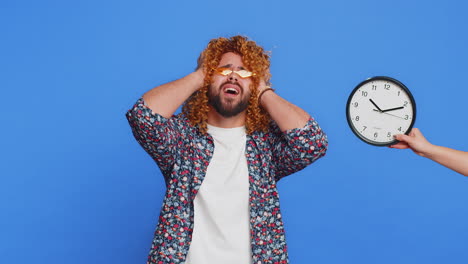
(166, 98)
(286, 115)
(453, 159)
(151, 122)
(301, 140)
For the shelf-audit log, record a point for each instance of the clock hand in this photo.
(391, 109)
(380, 110)
(388, 114)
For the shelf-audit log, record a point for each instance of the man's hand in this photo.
(199, 75)
(200, 70)
(415, 141)
(166, 98)
(286, 115)
(261, 87)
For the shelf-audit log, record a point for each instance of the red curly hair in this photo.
(254, 58)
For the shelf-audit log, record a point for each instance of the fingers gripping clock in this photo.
(379, 108)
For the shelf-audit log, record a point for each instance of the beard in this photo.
(229, 107)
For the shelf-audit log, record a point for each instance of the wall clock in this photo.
(379, 108)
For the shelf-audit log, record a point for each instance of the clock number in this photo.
(405, 103)
(398, 93)
(357, 118)
(399, 129)
(375, 134)
(364, 93)
(387, 87)
(374, 87)
(406, 117)
(364, 128)
(356, 104)
(389, 134)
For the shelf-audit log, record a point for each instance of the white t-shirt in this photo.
(221, 227)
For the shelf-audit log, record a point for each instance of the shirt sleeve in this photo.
(156, 134)
(297, 148)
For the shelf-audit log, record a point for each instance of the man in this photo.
(222, 156)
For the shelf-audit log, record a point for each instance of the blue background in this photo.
(75, 187)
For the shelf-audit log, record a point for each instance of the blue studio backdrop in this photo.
(75, 187)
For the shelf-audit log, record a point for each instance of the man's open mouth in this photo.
(230, 90)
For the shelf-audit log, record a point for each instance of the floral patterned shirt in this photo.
(183, 153)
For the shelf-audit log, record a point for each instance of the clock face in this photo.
(379, 108)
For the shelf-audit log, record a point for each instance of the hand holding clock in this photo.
(453, 159)
(415, 141)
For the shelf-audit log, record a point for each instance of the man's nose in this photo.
(232, 77)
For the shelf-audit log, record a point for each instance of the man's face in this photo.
(229, 95)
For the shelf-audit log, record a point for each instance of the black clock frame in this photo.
(378, 78)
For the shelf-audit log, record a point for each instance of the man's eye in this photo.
(225, 71)
(243, 73)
